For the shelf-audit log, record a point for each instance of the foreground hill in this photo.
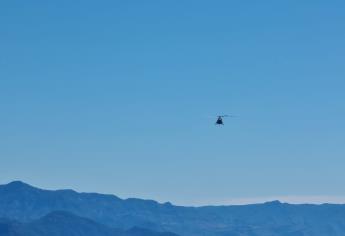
(67, 224)
(24, 203)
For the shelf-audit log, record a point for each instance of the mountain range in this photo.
(26, 210)
(64, 223)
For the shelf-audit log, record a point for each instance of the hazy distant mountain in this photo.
(67, 224)
(21, 202)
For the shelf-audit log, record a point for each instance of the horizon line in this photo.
(284, 199)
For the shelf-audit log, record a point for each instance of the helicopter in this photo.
(220, 119)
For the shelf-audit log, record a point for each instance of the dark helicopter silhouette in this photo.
(220, 119)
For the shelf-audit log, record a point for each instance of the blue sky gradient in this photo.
(114, 97)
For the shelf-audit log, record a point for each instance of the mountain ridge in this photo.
(22, 202)
(67, 224)
(21, 184)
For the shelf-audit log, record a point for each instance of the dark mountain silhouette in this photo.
(67, 224)
(24, 203)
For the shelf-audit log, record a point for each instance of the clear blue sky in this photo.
(114, 97)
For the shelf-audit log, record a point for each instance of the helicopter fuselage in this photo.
(219, 121)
